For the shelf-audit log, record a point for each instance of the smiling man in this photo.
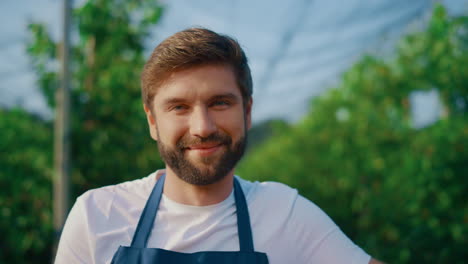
(200, 121)
(197, 92)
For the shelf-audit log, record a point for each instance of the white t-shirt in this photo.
(285, 226)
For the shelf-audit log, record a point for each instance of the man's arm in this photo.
(318, 239)
(374, 261)
(74, 243)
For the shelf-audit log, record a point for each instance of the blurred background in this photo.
(361, 105)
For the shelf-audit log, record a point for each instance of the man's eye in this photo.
(221, 103)
(179, 107)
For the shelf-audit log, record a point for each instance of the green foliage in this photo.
(261, 132)
(25, 181)
(398, 191)
(110, 142)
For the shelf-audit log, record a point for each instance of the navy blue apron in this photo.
(138, 253)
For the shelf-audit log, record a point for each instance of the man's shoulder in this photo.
(265, 186)
(103, 198)
(268, 192)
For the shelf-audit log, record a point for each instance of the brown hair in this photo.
(191, 48)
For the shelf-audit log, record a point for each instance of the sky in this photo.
(297, 49)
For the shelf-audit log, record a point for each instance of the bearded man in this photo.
(197, 96)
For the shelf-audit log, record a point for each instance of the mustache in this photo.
(216, 138)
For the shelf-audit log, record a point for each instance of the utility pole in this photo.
(62, 130)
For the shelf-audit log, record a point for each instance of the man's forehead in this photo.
(209, 70)
(201, 81)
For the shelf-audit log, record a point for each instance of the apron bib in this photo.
(138, 253)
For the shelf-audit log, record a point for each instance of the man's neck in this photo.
(183, 192)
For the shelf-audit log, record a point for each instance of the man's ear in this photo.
(151, 122)
(248, 113)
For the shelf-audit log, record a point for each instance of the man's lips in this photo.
(204, 146)
(205, 149)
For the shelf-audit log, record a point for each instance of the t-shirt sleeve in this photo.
(74, 242)
(318, 239)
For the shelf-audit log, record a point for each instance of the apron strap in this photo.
(145, 224)
(148, 216)
(243, 219)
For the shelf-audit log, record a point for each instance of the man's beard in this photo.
(216, 167)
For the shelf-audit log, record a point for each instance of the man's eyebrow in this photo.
(177, 100)
(228, 96)
(173, 100)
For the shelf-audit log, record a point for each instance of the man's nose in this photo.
(202, 124)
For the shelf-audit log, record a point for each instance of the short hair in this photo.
(191, 48)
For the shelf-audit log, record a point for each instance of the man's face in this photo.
(200, 123)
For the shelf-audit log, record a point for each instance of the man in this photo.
(197, 91)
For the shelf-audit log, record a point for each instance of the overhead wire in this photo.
(403, 19)
(286, 40)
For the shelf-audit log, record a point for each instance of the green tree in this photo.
(25, 177)
(110, 141)
(109, 136)
(398, 191)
